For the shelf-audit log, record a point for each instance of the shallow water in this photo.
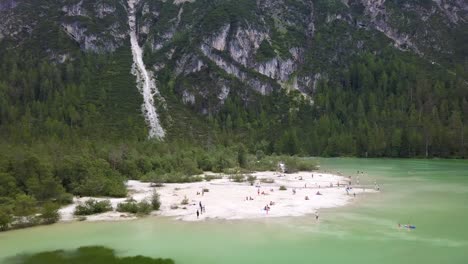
(433, 195)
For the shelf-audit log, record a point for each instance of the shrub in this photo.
(259, 154)
(267, 163)
(265, 52)
(251, 179)
(65, 198)
(237, 178)
(282, 188)
(174, 206)
(131, 206)
(295, 164)
(157, 179)
(212, 177)
(92, 206)
(242, 157)
(182, 178)
(222, 162)
(206, 190)
(205, 163)
(155, 201)
(185, 201)
(91, 176)
(49, 213)
(267, 180)
(5, 219)
(144, 207)
(189, 166)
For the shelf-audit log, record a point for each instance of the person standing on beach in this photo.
(198, 214)
(316, 216)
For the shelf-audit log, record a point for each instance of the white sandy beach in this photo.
(227, 199)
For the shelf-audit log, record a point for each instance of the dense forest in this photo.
(390, 107)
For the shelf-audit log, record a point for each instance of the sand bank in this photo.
(230, 200)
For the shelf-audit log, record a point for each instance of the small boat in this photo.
(410, 226)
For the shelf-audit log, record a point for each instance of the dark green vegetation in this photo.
(92, 206)
(131, 206)
(390, 107)
(89, 255)
(155, 201)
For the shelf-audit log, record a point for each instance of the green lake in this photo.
(431, 194)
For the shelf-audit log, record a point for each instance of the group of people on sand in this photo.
(267, 207)
(348, 189)
(263, 192)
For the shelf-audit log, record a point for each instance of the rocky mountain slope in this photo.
(264, 44)
(205, 51)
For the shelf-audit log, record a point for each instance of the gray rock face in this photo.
(96, 33)
(104, 10)
(7, 4)
(455, 10)
(75, 9)
(92, 41)
(234, 70)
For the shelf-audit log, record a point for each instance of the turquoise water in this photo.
(433, 195)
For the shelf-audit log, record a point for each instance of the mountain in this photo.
(356, 77)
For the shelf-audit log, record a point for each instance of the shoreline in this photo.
(228, 200)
